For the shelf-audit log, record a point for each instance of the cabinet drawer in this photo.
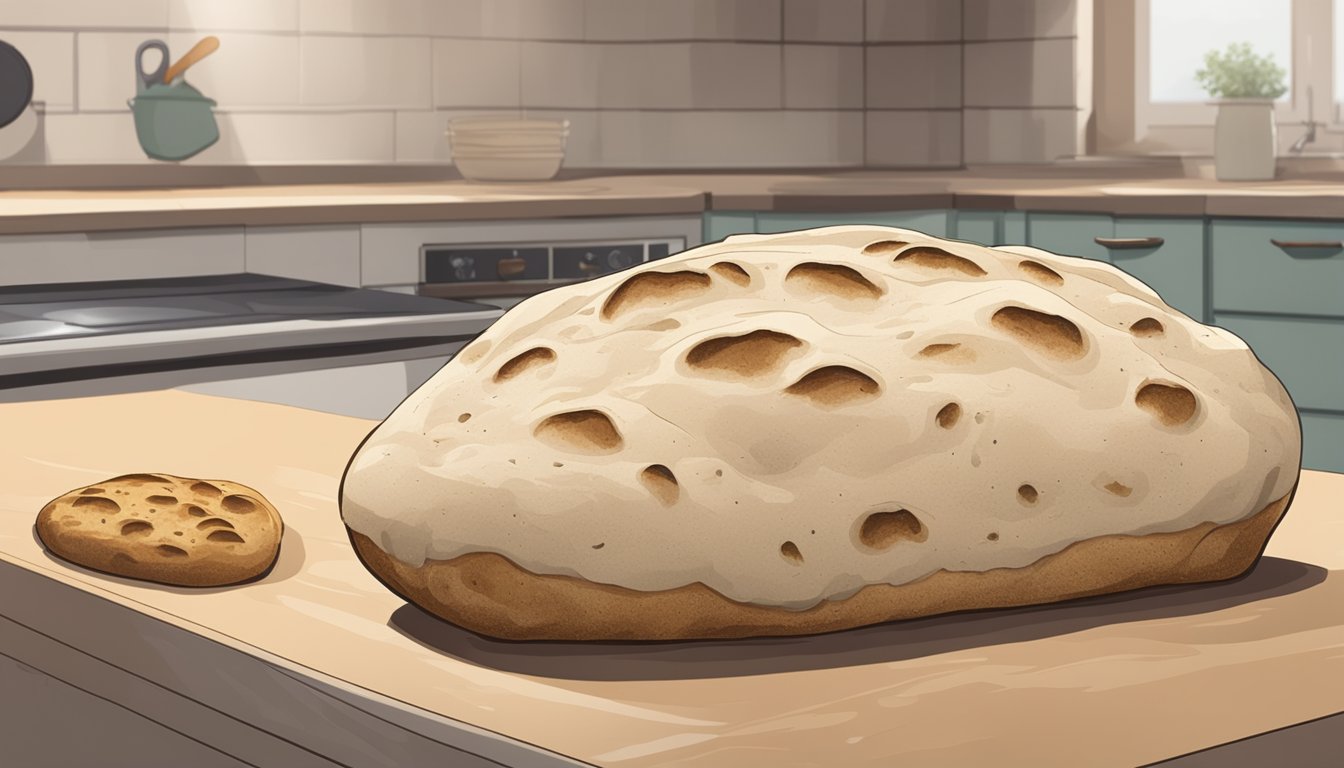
(1251, 273)
(1175, 268)
(1323, 441)
(1070, 234)
(929, 222)
(1306, 355)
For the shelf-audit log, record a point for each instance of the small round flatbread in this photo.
(167, 529)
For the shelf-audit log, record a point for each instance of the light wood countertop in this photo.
(42, 211)
(1114, 681)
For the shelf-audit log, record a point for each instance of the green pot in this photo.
(172, 121)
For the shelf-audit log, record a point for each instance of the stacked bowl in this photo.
(507, 149)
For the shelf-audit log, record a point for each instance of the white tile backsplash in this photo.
(107, 137)
(913, 76)
(366, 71)
(823, 77)
(823, 21)
(474, 18)
(86, 14)
(632, 20)
(476, 73)
(565, 74)
(234, 15)
(1020, 135)
(913, 139)
(913, 20)
(1019, 74)
(550, 19)
(51, 56)
(315, 137)
(725, 139)
(1017, 19)
(365, 17)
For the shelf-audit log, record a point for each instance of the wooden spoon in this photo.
(198, 51)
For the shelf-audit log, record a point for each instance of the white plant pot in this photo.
(1244, 140)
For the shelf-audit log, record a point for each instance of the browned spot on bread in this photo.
(205, 489)
(948, 415)
(884, 246)
(97, 503)
(161, 500)
(195, 511)
(1027, 494)
(168, 550)
(138, 478)
(733, 273)
(1119, 489)
(653, 288)
(661, 483)
(1146, 327)
(835, 385)
(789, 551)
(883, 530)
(751, 354)
(667, 324)
(238, 504)
(1051, 335)
(992, 536)
(136, 527)
(584, 431)
(93, 490)
(937, 258)
(1040, 273)
(225, 536)
(834, 280)
(1172, 405)
(213, 522)
(473, 351)
(532, 358)
(949, 353)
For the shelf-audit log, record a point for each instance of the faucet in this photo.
(1310, 135)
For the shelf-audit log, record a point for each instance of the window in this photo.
(1172, 36)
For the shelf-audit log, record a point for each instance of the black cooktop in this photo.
(31, 312)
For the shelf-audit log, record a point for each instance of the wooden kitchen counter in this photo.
(1025, 189)
(320, 656)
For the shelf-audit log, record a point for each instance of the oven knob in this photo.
(619, 259)
(588, 264)
(511, 268)
(464, 267)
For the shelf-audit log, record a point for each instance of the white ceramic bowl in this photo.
(487, 148)
(508, 168)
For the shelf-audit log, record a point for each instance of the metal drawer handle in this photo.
(1317, 244)
(1128, 242)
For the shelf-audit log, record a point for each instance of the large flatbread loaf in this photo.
(804, 432)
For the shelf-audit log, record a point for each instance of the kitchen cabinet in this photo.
(1166, 254)
(721, 224)
(1302, 274)
(991, 227)
(1279, 285)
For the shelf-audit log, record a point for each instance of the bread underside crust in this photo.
(490, 595)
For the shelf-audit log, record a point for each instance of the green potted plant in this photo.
(1245, 85)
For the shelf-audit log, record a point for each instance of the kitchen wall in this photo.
(645, 83)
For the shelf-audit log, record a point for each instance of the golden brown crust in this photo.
(489, 594)
(163, 528)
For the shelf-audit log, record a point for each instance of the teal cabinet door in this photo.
(1323, 441)
(1175, 268)
(1070, 234)
(980, 227)
(1302, 274)
(721, 224)
(929, 222)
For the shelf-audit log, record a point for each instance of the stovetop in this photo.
(36, 312)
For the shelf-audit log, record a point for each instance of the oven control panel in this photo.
(517, 269)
